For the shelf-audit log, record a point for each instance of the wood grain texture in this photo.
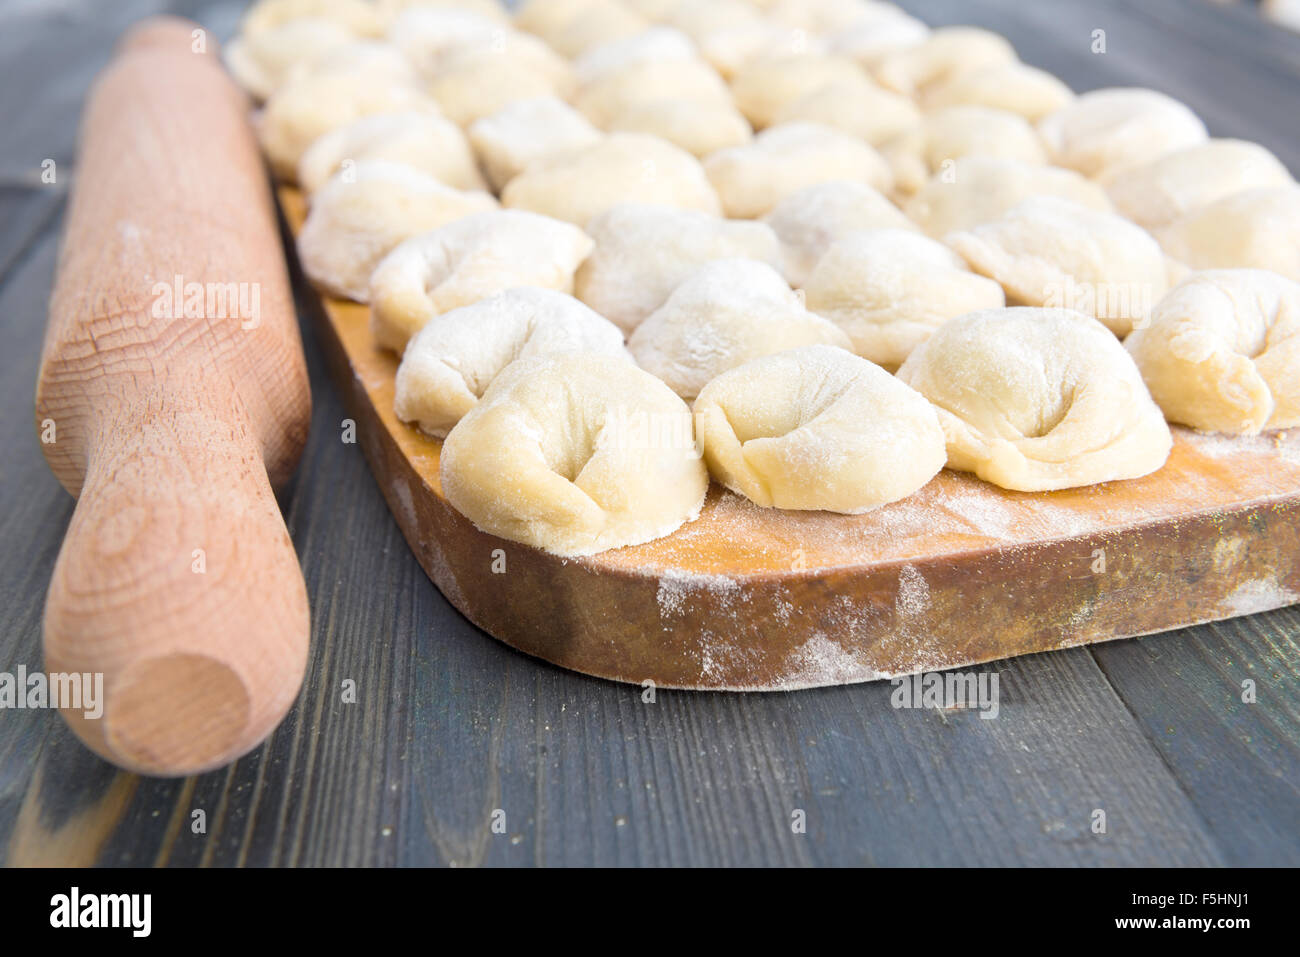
(449, 723)
(172, 395)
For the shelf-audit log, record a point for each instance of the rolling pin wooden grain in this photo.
(177, 579)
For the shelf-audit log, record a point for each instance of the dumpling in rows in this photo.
(976, 189)
(949, 134)
(525, 131)
(620, 168)
(358, 216)
(1117, 126)
(1257, 229)
(1051, 252)
(889, 289)
(752, 179)
(726, 313)
(422, 140)
(809, 221)
(643, 252)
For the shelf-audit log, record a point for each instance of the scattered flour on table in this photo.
(1257, 595)
(676, 589)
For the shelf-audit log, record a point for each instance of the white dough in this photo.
(525, 131)
(366, 210)
(575, 454)
(1012, 86)
(809, 221)
(1118, 126)
(1222, 351)
(751, 180)
(1052, 252)
(726, 313)
(1039, 399)
(889, 289)
(1257, 229)
(468, 260)
(422, 140)
(767, 85)
(262, 62)
(817, 428)
(452, 360)
(945, 54)
(644, 252)
(948, 134)
(858, 107)
(580, 184)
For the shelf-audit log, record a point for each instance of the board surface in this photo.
(750, 598)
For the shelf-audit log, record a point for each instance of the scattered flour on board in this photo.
(1257, 595)
(913, 596)
(676, 589)
(821, 660)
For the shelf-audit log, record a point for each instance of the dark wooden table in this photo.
(449, 726)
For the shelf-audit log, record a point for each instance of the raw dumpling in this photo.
(578, 185)
(1222, 351)
(817, 428)
(977, 189)
(657, 43)
(781, 160)
(1038, 399)
(366, 210)
(1257, 229)
(613, 93)
(727, 312)
(525, 131)
(1051, 252)
(857, 106)
(767, 85)
(1155, 194)
(700, 127)
(598, 24)
(468, 260)
(730, 48)
(873, 39)
(476, 81)
(422, 140)
(644, 252)
(950, 133)
(946, 54)
(262, 62)
(1012, 86)
(390, 11)
(1118, 126)
(889, 289)
(574, 454)
(356, 16)
(451, 361)
(807, 222)
(311, 104)
(428, 35)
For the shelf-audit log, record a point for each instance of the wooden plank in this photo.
(1238, 762)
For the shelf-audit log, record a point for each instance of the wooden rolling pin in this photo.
(171, 416)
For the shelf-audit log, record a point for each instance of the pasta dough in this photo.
(526, 131)
(817, 428)
(752, 179)
(1157, 193)
(727, 312)
(452, 360)
(807, 222)
(657, 43)
(356, 16)
(424, 141)
(1222, 351)
(1257, 229)
(1010, 86)
(476, 81)
(1038, 399)
(977, 189)
(700, 127)
(643, 252)
(889, 289)
(262, 62)
(950, 133)
(358, 216)
(767, 85)
(1117, 126)
(575, 454)
(1051, 252)
(621, 168)
(468, 260)
(610, 95)
(946, 54)
(857, 106)
(310, 105)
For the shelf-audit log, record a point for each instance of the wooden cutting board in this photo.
(747, 598)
